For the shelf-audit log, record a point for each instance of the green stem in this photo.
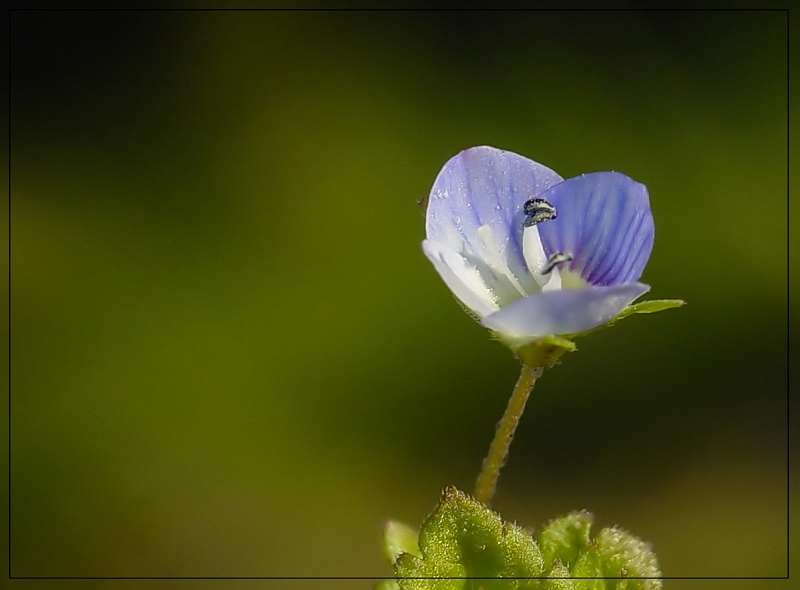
(498, 450)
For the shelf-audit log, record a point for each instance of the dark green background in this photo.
(231, 358)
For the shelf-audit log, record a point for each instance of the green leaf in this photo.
(465, 539)
(564, 538)
(399, 538)
(463, 545)
(559, 578)
(589, 566)
(626, 556)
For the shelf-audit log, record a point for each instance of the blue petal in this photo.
(485, 186)
(604, 221)
(562, 312)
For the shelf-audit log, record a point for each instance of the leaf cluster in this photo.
(463, 545)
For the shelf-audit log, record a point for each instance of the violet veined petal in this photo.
(462, 277)
(562, 312)
(604, 221)
(486, 187)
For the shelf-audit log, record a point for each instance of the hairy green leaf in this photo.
(463, 545)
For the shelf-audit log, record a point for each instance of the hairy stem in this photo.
(498, 450)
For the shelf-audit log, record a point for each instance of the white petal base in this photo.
(463, 278)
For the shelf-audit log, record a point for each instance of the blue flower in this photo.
(530, 254)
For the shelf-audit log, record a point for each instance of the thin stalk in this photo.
(498, 450)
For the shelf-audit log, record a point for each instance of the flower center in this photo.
(542, 267)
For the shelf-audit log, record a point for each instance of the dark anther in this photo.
(536, 211)
(554, 260)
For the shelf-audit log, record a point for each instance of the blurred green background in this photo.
(231, 358)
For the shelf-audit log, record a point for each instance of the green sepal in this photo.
(651, 306)
(546, 351)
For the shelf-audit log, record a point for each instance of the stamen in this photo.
(555, 259)
(537, 210)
